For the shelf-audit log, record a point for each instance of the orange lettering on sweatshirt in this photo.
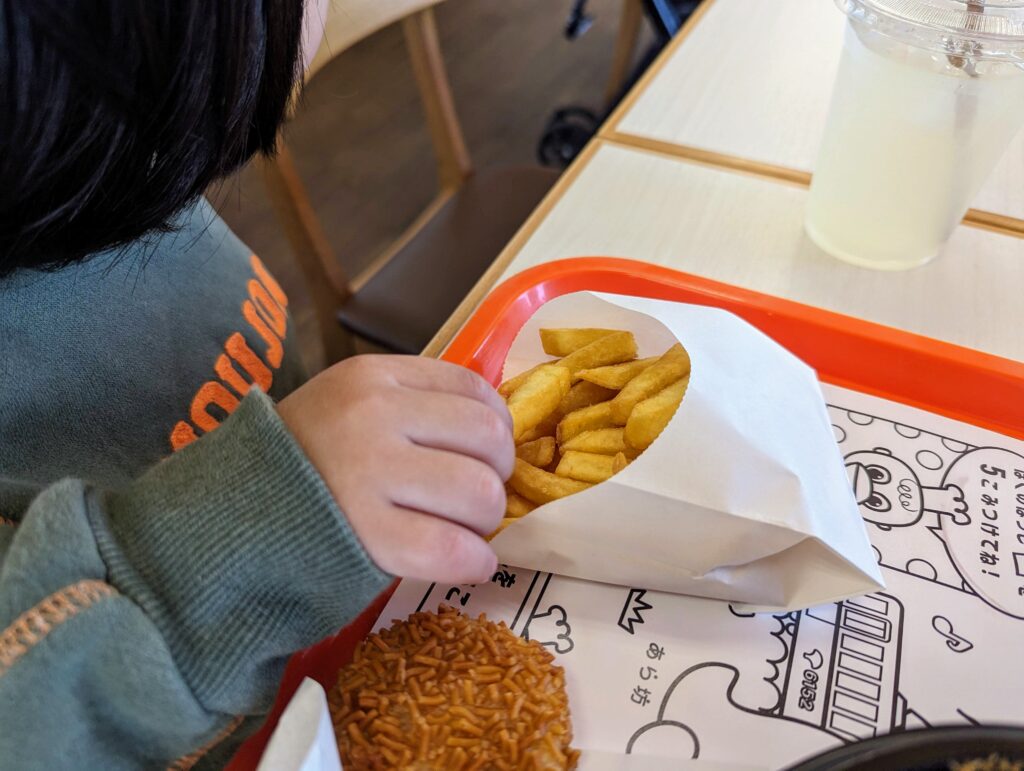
(211, 394)
(259, 373)
(182, 435)
(226, 371)
(268, 281)
(265, 310)
(268, 310)
(275, 350)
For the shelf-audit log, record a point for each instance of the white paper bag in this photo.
(304, 737)
(743, 497)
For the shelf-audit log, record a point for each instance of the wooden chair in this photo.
(407, 293)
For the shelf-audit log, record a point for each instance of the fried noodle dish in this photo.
(447, 691)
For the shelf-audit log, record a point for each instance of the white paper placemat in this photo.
(675, 676)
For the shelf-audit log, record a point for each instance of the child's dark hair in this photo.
(115, 115)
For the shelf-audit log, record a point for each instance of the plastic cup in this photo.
(928, 96)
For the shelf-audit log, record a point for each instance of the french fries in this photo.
(674, 364)
(615, 348)
(510, 385)
(619, 462)
(562, 342)
(587, 466)
(606, 441)
(540, 452)
(517, 506)
(584, 419)
(650, 416)
(539, 486)
(554, 461)
(545, 428)
(537, 397)
(583, 394)
(580, 419)
(615, 376)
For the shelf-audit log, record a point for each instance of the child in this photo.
(169, 536)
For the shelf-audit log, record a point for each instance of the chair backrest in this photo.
(349, 21)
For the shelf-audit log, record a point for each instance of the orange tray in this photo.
(946, 379)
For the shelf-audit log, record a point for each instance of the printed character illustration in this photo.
(975, 518)
(632, 614)
(545, 623)
(905, 513)
(550, 628)
(988, 549)
(890, 494)
(965, 548)
(520, 593)
(838, 681)
(844, 667)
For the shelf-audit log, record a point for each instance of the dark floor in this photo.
(360, 140)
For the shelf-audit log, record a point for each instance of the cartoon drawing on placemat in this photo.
(837, 681)
(970, 500)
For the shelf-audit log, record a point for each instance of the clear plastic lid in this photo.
(980, 29)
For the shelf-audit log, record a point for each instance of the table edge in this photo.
(475, 296)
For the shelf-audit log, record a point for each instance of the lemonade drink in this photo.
(913, 131)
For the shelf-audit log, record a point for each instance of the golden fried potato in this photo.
(537, 398)
(619, 462)
(586, 466)
(539, 486)
(615, 376)
(554, 461)
(509, 386)
(582, 395)
(572, 435)
(605, 441)
(546, 427)
(585, 419)
(539, 452)
(610, 349)
(517, 506)
(650, 416)
(562, 342)
(673, 365)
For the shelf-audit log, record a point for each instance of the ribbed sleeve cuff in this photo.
(237, 551)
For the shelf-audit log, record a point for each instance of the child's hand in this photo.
(415, 451)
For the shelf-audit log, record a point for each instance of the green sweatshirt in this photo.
(165, 545)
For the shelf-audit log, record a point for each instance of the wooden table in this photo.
(750, 87)
(704, 168)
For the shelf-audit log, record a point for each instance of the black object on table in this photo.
(928, 749)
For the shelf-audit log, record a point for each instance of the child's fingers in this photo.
(414, 545)
(425, 374)
(459, 425)
(450, 486)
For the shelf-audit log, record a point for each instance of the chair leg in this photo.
(453, 161)
(625, 43)
(325, 279)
